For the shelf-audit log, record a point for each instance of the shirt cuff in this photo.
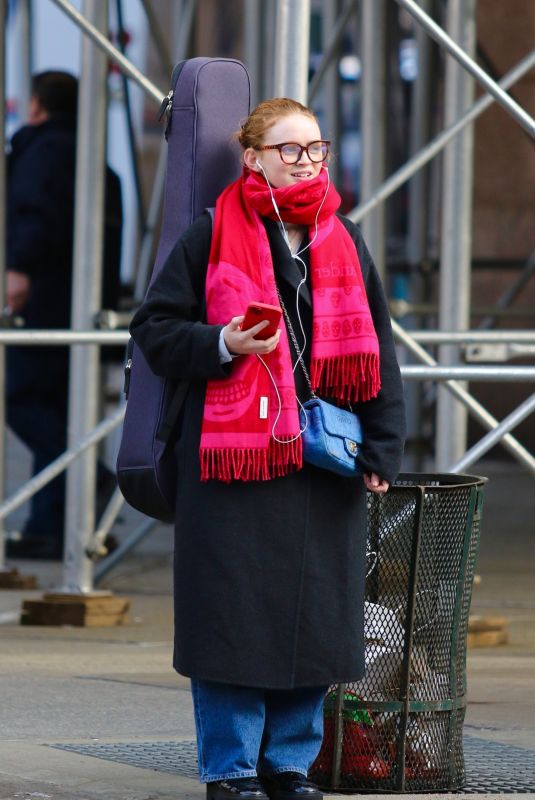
(224, 355)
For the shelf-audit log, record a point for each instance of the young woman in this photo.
(269, 550)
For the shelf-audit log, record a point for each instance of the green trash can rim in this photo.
(436, 480)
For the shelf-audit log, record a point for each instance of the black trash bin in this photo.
(400, 728)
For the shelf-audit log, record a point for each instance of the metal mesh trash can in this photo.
(400, 728)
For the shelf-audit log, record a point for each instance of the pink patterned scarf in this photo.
(236, 444)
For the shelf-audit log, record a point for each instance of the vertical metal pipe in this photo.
(456, 240)
(373, 121)
(420, 131)
(2, 257)
(86, 293)
(418, 222)
(184, 18)
(253, 47)
(134, 160)
(158, 37)
(268, 48)
(25, 61)
(292, 44)
(151, 223)
(331, 93)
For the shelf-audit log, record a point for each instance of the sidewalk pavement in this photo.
(112, 691)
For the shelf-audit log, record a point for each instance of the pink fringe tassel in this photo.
(250, 464)
(349, 378)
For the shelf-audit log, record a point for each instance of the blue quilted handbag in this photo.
(332, 437)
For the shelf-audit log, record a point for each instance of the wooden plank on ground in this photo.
(12, 579)
(96, 610)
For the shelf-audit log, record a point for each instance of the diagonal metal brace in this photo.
(439, 35)
(437, 144)
(475, 408)
(493, 437)
(112, 52)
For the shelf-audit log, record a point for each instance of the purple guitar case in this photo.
(209, 99)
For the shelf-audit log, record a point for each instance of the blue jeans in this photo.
(243, 731)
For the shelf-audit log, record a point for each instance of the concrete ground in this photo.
(74, 686)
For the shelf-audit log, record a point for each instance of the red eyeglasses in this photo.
(291, 152)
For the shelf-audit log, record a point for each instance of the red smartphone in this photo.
(258, 312)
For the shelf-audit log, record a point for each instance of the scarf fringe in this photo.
(251, 464)
(350, 378)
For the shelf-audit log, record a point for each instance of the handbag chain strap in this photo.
(298, 350)
(299, 354)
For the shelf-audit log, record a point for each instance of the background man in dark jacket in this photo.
(40, 222)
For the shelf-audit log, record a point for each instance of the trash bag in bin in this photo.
(384, 636)
(364, 759)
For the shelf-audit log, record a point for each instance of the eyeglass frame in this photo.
(303, 148)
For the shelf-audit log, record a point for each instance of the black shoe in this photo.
(290, 786)
(35, 547)
(234, 788)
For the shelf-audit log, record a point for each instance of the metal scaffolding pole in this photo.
(494, 437)
(151, 225)
(158, 37)
(434, 30)
(415, 163)
(467, 372)
(269, 53)
(253, 47)
(418, 222)
(292, 44)
(184, 18)
(134, 160)
(101, 41)
(420, 129)
(2, 259)
(25, 52)
(330, 79)
(456, 235)
(60, 463)
(337, 26)
(86, 292)
(373, 122)
(477, 410)
(49, 336)
(184, 21)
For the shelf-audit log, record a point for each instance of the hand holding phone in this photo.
(258, 312)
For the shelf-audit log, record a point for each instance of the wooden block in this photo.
(487, 638)
(96, 610)
(12, 579)
(477, 624)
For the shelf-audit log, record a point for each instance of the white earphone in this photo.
(296, 256)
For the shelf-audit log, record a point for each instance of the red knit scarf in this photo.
(236, 444)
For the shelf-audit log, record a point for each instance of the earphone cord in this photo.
(299, 350)
(305, 373)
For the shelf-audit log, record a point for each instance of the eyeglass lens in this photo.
(291, 153)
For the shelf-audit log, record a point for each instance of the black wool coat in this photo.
(268, 575)
(40, 226)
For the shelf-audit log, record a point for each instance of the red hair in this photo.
(264, 116)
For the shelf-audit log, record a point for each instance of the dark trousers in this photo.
(41, 426)
(36, 410)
